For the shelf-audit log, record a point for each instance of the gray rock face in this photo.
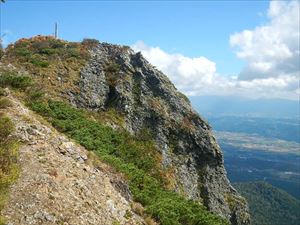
(116, 77)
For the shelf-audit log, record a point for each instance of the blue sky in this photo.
(192, 29)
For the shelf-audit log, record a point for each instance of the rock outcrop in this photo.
(117, 77)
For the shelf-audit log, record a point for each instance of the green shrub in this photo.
(73, 52)
(40, 63)
(35, 94)
(90, 43)
(23, 52)
(56, 43)
(6, 128)
(4, 103)
(1, 52)
(136, 157)
(14, 80)
(112, 74)
(40, 45)
(22, 43)
(47, 51)
(2, 91)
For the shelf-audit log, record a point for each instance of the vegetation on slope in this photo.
(270, 205)
(8, 154)
(54, 63)
(133, 156)
(42, 51)
(136, 157)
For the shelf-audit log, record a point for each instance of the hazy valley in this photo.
(259, 148)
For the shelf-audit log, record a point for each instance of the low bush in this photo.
(6, 128)
(40, 45)
(14, 80)
(40, 63)
(35, 93)
(73, 52)
(23, 52)
(56, 43)
(90, 43)
(136, 157)
(112, 74)
(1, 51)
(4, 103)
(2, 91)
(47, 51)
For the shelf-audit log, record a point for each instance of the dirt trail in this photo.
(57, 185)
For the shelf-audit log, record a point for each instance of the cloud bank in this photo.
(271, 53)
(271, 50)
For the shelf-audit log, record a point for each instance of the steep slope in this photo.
(109, 78)
(270, 205)
(58, 184)
(117, 77)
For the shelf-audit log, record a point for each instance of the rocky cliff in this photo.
(117, 77)
(114, 77)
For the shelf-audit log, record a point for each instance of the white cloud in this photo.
(271, 53)
(182, 70)
(271, 50)
(198, 76)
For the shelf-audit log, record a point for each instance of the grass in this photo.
(9, 170)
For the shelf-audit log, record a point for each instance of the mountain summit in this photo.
(142, 115)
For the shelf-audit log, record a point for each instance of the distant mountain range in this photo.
(238, 106)
(270, 205)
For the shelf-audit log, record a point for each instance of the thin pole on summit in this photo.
(55, 33)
